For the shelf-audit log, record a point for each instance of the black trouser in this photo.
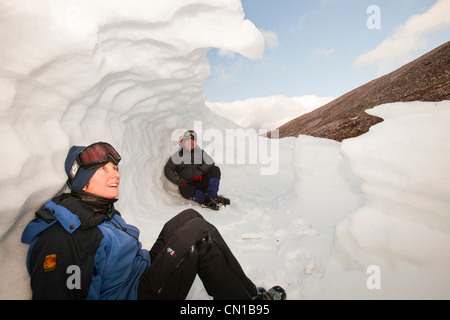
(189, 245)
(209, 179)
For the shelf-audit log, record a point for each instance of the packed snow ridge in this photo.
(367, 218)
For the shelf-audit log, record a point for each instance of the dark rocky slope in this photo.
(424, 79)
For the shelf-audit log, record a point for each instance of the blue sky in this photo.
(325, 47)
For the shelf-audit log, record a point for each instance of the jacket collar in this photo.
(98, 204)
(90, 209)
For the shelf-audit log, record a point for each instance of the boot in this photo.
(274, 293)
(223, 201)
(211, 204)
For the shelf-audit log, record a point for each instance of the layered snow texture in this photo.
(77, 72)
(133, 75)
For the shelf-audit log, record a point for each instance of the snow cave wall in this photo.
(76, 72)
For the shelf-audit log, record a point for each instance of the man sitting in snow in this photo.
(195, 173)
(82, 248)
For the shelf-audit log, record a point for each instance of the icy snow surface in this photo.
(367, 218)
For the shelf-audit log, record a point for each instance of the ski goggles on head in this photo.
(94, 156)
(97, 155)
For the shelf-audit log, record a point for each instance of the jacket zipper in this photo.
(119, 226)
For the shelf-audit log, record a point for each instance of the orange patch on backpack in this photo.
(50, 262)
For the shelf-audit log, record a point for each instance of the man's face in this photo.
(189, 144)
(105, 182)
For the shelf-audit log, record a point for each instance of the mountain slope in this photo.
(424, 79)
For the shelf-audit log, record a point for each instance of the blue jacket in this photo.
(69, 232)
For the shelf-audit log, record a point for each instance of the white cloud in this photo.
(226, 53)
(270, 38)
(410, 36)
(268, 112)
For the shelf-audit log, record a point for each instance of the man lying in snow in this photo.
(195, 173)
(82, 248)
